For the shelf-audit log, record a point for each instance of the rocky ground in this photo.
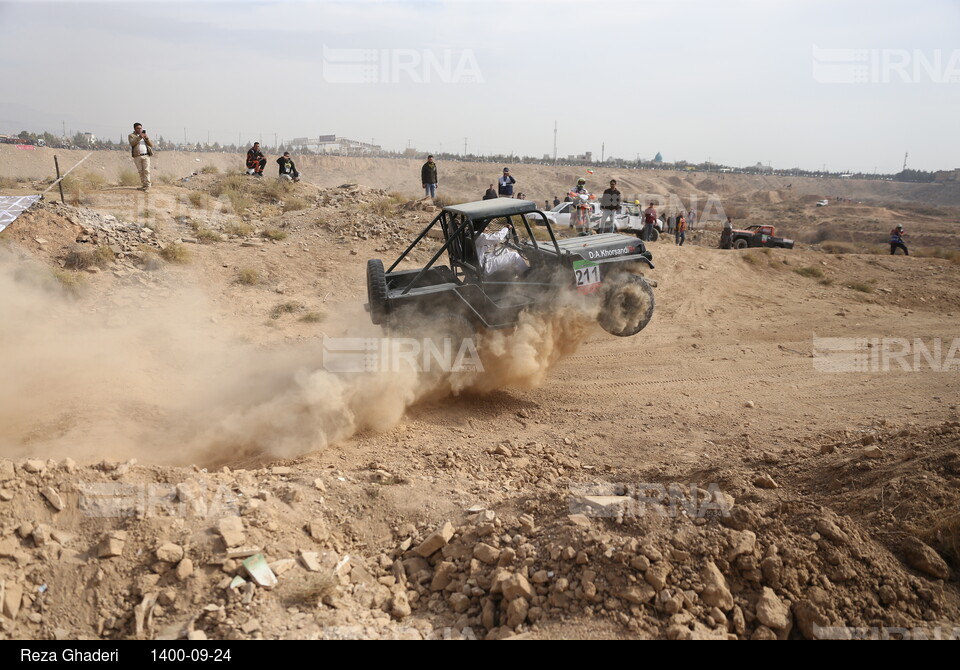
(180, 468)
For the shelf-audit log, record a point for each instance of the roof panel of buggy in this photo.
(491, 208)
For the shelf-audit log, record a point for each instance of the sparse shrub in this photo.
(167, 179)
(238, 201)
(290, 307)
(151, 261)
(240, 229)
(70, 282)
(82, 257)
(860, 286)
(198, 199)
(294, 203)
(274, 234)
(313, 317)
(209, 169)
(309, 590)
(175, 253)
(838, 247)
(826, 281)
(752, 258)
(248, 276)
(277, 189)
(810, 272)
(128, 178)
(206, 236)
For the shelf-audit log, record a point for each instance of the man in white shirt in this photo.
(141, 150)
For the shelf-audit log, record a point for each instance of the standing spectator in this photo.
(546, 205)
(490, 194)
(556, 200)
(681, 234)
(505, 184)
(691, 219)
(896, 241)
(287, 167)
(428, 177)
(726, 237)
(649, 220)
(256, 160)
(141, 148)
(609, 206)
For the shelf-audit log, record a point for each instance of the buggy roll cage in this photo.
(471, 213)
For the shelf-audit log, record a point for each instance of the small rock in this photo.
(34, 466)
(765, 482)
(231, 530)
(112, 545)
(873, 451)
(184, 569)
(715, 593)
(56, 502)
(251, 626)
(923, 558)
(771, 611)
(168, 552)
(436, 540)
(486, 553)
(517, 586)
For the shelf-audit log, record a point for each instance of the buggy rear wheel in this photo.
(741, 244)
(627, 306)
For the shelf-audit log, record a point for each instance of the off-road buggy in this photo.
(599, 268)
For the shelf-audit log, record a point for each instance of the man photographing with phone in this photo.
(141, 148)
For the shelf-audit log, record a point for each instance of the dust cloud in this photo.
(132, 375)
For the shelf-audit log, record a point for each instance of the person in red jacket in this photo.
(896, 241)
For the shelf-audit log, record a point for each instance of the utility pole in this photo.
(64, 129)
(464, 146)
(603, 150)
(905, 160)
(275, 145)
(184, 135)
(554, 141)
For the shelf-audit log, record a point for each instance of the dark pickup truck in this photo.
(759, 236)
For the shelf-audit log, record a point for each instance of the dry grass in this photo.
(274, 234)
(952, 255)
(71, 283)
(860, 286)
(175, 253)
(248, 276)
(277, 189)
(209, 169)
(290, 307)
(313, 317)
(82, 257)
(390, 205)
(10, 182)
(128, 178)
(294, 204)
(752, 258)
(309, 590)
(811, 272)
(240, 229)
(826, 281)
(151, 261)
(839, 248)
(198, 199)
(207, 236)
(945, 535)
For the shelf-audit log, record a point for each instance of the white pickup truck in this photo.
(628, 220)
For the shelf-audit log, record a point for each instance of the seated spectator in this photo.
(287, 167)
(255, 161)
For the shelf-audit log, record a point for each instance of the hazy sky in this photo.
(735, 81)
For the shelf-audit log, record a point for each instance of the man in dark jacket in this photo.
(490, 194)
(256, 160)
(505, 184)
(896, 240)
(428, 177)
(287, 167)
(609, 206)
(649, 221)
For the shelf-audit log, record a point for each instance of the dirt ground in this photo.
(173, 390)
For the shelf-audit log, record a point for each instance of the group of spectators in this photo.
(256, 161)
